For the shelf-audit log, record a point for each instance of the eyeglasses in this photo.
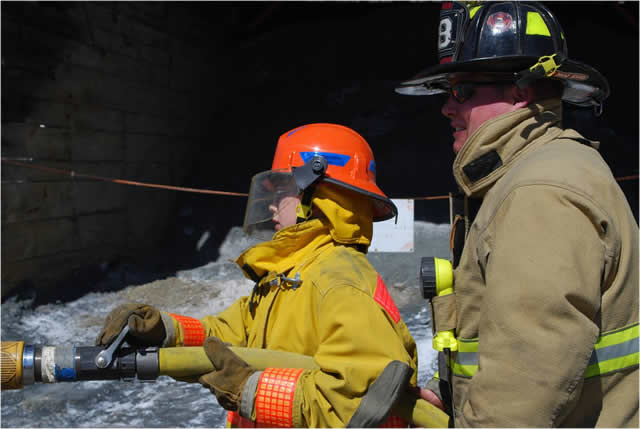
(463, 91)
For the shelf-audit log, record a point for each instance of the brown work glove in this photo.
(145, 325)
(230, 377)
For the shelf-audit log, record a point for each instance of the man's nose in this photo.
(449, 107)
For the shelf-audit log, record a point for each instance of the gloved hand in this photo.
(231, 375)
(145, 325)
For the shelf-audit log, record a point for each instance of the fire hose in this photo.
(22, 365)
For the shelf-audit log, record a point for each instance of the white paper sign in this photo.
(391, 237)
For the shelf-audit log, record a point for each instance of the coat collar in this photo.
(346, 218)
(499, 142)
(288, 248)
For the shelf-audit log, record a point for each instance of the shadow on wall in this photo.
(26, 60)
(90, 87)
(29, 63)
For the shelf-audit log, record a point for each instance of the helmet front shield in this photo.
(266, 190)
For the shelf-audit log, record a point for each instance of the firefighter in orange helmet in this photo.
(315, 294)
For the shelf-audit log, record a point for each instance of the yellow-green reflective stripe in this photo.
(618, 336)
(473, 11)
(466, 363)
(467, 346)
(611, 365)
(536, 25)
(613, 351)
(464, 370)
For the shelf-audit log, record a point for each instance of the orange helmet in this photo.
(333, 154)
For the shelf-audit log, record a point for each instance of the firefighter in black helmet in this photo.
(544, 243)
(520, 40)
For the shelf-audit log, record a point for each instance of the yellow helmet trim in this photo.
(536, 25)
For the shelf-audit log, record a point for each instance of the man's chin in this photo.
(457, 145)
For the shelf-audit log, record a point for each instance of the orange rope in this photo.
(73, 174)
(623, 178)
(201, 191)
(437, 197)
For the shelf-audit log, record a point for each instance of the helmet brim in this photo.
(571, 71)
(383, 207)
(479, 65)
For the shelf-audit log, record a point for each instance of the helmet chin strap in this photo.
(306, 177)
(304, 208)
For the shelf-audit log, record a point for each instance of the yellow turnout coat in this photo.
(340, 312)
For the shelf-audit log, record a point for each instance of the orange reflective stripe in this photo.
(394, 422)
(235, 420)
(383, 298)
(192, 330)
(274, 396)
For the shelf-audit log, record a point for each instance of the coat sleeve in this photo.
(543, 259)
(230, 325)
(357, 341)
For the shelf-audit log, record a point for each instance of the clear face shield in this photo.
(273, 198)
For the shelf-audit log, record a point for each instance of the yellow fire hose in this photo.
(189, 361)
(179, 362)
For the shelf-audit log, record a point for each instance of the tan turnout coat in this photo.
(548, 274)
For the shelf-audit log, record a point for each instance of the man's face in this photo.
(485, 103)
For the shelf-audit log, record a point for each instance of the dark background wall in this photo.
(197, 93)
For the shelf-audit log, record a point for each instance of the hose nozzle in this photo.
(11, 355)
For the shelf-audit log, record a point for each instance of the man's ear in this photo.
(521, 97)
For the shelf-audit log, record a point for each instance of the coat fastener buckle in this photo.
(281, 278)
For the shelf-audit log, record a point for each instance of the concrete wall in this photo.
(104, 89)
(197, 93)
